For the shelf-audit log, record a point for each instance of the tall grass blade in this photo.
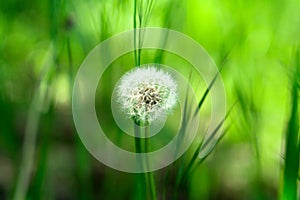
(206, 92)
(202, 145)
(292, 144)
(31, 131)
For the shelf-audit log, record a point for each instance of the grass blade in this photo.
(291, 165)
(211, 84)
(185, 174)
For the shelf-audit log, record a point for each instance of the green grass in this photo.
(292, 138)
(42, 46)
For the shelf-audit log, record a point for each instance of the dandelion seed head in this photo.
(147, 93)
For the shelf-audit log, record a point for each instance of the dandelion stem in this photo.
(138, 149)
(149, 175)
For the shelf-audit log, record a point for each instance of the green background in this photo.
(43, 43)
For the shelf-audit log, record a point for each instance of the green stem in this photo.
(141, 182)
(292, 142)
(31, 130)
(150, 176)
(135, 33)
(137, 139)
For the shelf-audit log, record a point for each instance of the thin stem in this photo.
(150, 176)
(28, 152)
(135, 32)
(31, 131)
(141, 188)
(137, 133)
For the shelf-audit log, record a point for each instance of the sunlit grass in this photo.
(292, 138)
(43, 44)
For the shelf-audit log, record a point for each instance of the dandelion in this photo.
(146, 94)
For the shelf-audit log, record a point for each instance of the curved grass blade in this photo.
(211, 84)
(185, 174)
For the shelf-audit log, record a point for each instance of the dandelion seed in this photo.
(146, 94)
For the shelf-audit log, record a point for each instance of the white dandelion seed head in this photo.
(147, 93)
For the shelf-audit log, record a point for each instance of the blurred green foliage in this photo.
(42, 44)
